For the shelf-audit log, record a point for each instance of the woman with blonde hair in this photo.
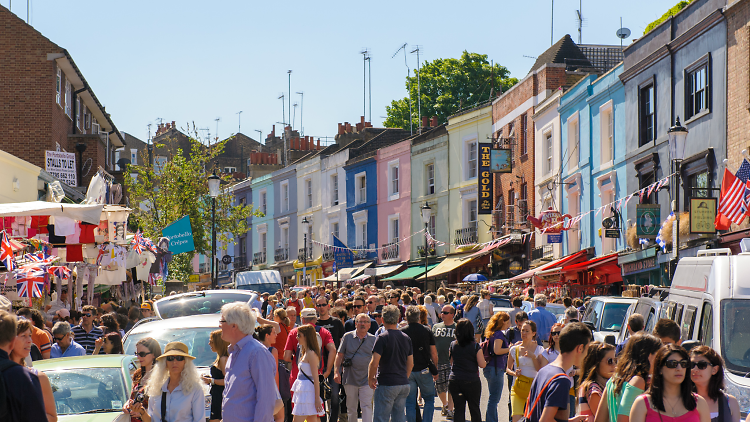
(147, 350)
(472, 313)
(306, 389)
(21, 350)
(176, 381)
(216, 380)
(494, 372)
(285, 325)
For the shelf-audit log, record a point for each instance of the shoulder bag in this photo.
(522, 385)
(530, 408)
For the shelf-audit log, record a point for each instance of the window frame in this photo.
(550, 147)
(524, 136)
(650, 83)
(58, 88)
(284, 195)
(68, 98)
(702, 63)
(606, 134)
(573, 142)
(394, 183)
(334, 189)
(472, 172)
(263, 199)
(360, 189)
(430, 178)
(308, 193)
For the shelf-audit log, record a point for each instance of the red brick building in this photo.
(46, 103)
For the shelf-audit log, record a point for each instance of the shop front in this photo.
(599, 276)
(310, 275)
(286, 271)
(644, 268)
(453, 269)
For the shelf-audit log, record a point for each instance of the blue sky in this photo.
(191, 61)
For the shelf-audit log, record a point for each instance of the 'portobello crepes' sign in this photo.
(180, 235)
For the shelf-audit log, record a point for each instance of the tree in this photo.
(448, 86)
(178, 188)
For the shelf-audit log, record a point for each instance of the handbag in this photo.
(522, 384)
(479, 323)
(529, 409)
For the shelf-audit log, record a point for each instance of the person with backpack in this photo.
(445, 333)
(353, 357)
(424, 372)
(548, 398)
(495, 349)
(21, 398)
(464, 383)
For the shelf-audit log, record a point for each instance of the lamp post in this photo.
(305, 224)
(214, 182)
(426, 214)
(677, 137)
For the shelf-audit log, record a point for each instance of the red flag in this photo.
(732, 208)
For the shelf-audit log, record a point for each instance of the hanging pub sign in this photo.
(501, 160)
(515, 268)
(648, 220)
(550, 221)
(485, 179)
(702, 215)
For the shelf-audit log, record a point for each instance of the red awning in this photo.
(558, 263)
(605, 269)
(592, 263)
(490, 247)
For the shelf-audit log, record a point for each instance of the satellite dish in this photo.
(623, 33)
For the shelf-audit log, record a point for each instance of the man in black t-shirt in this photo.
(390, 368)
(336, 327)
(425, 352)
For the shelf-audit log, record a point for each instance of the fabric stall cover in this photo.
(86, 213)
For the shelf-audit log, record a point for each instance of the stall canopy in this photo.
(448, 265)
(490, 247)
(346, 273)
(85, 213)
(606, 270)
(557, 263)
(384, 271)
(410, 273)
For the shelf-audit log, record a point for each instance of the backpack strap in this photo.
(530, 409)
(163, 406)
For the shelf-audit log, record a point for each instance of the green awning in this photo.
(409, 273)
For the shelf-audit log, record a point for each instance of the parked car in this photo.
(558, 310)
(500, 303)
(649, 307)
(200, 303)
(194, 331)
(605, 315)
(90, 388)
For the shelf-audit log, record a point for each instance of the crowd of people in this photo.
(378, 354)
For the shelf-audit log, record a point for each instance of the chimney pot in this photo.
(341, 129)
(434, 122)
(173, 125)
(360, 126)
(273, 131)
(318, 143)
(425, 121)
(362, 119)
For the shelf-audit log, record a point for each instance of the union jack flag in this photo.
(60, 271)
(142, 244)
(6, 253)
(35, 257)
(153, 278)
(31, 279)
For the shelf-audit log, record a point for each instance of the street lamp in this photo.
(214, 182)
(677, 137)
(426, 214)
(305, 223)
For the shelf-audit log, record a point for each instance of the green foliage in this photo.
(449, 86)
(671, 12)
(180, 188)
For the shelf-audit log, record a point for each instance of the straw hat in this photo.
(176, 348)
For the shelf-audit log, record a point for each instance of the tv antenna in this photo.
(239, 121)
(294, 116)
(217, 120)
(579, 19)
(419, 93)
(622, 33)
(301, 107)
(283, 109)
(408, 74)
(207, 132)
(365, 56)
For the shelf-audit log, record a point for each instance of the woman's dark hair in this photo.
(716, 384)
(263, 331)
(656, 390)
(116, 341)
(109, 321)
(531, 324)
(595, 353)
(155, 349)
(634, 359)
(552, 341)
(464, 332)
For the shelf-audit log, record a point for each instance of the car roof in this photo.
(90, 361)
(615, 299)
(203, 292)
(554, 305)
(190, 321)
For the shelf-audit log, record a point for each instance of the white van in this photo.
(710, 300)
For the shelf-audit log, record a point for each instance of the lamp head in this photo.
(426, 213)
(214, 182)
(305, 221)
(677, 137)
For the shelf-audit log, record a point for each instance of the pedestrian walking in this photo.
(20, 353)
(670, 394)
(635, 324)
(249, 370)
(308, 404)
(598, 367)
(86, 332)
(485, 307)
(523, 365)
(216, 372)
(630, 380)
(147, 350)
(336, 328)
(707, 374)
(64, 345)
(474, 315)
(432, 311)
(543, 318)
(174, 390)
(445, 334)
(463, 382)
(421, 379)
(498, 348)
(390, 368)
(353, 357)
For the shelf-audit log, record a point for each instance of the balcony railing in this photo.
(390, 251)
(360, 254)
(259, 258)
(522, 210)
(281, 254)
(431, 250)
(301, 254)
(240, 262)
(466, 236)
(542, 252)
(327, 253)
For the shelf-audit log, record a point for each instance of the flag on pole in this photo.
(31, 281)
(732, 201)
(6, 253)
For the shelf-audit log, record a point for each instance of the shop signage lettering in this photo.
(485, 179)
(554, 238)
(702, 215)
(62, 165)
(515, 267)
(637, 266)
(180, 235)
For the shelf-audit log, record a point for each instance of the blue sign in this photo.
(343, 256)
(180, 235)
(554, 238)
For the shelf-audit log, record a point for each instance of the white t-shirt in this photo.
(485, 307)
(527, 365)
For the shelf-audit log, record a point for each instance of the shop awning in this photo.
(410, 273)
(592, 263)
(385, 271)
(557, 263)
(448, 265)
(86, 213)
(490, 247)
(345, 274)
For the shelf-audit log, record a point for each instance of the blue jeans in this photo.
(389, 403)
(495, 381)
(426, 384)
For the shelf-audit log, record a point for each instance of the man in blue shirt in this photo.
(543, 318)
(64, 345)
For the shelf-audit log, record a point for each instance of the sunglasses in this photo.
(370, 303)
(321, 305)
(142, 354)
(357, 306)
(446, 313)
(222, 321)
(701, 365)
(175, 358)
(554, 333)
(672, 364)
(59, 339)
(87, 315)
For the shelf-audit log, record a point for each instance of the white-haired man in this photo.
(250, 368)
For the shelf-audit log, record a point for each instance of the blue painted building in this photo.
(362, 209)
(262, 228)
(285, 220)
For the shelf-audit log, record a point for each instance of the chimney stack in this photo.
(341, 129)
(360, 126)
(318, 144)
(273, 131)
(434, 121)
(425, 121)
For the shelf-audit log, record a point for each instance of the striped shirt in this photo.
(87, 339)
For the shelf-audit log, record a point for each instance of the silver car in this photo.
(201, 303)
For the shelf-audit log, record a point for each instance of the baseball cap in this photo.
(63, 313)
(308, 313)
(147, 306)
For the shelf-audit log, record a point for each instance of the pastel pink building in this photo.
(394, 202)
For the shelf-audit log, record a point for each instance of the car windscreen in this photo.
(88, 390)
(197, 304)
(499, 302)
(196, 339)
(613, 316)
(270, 288)
(735, 335)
